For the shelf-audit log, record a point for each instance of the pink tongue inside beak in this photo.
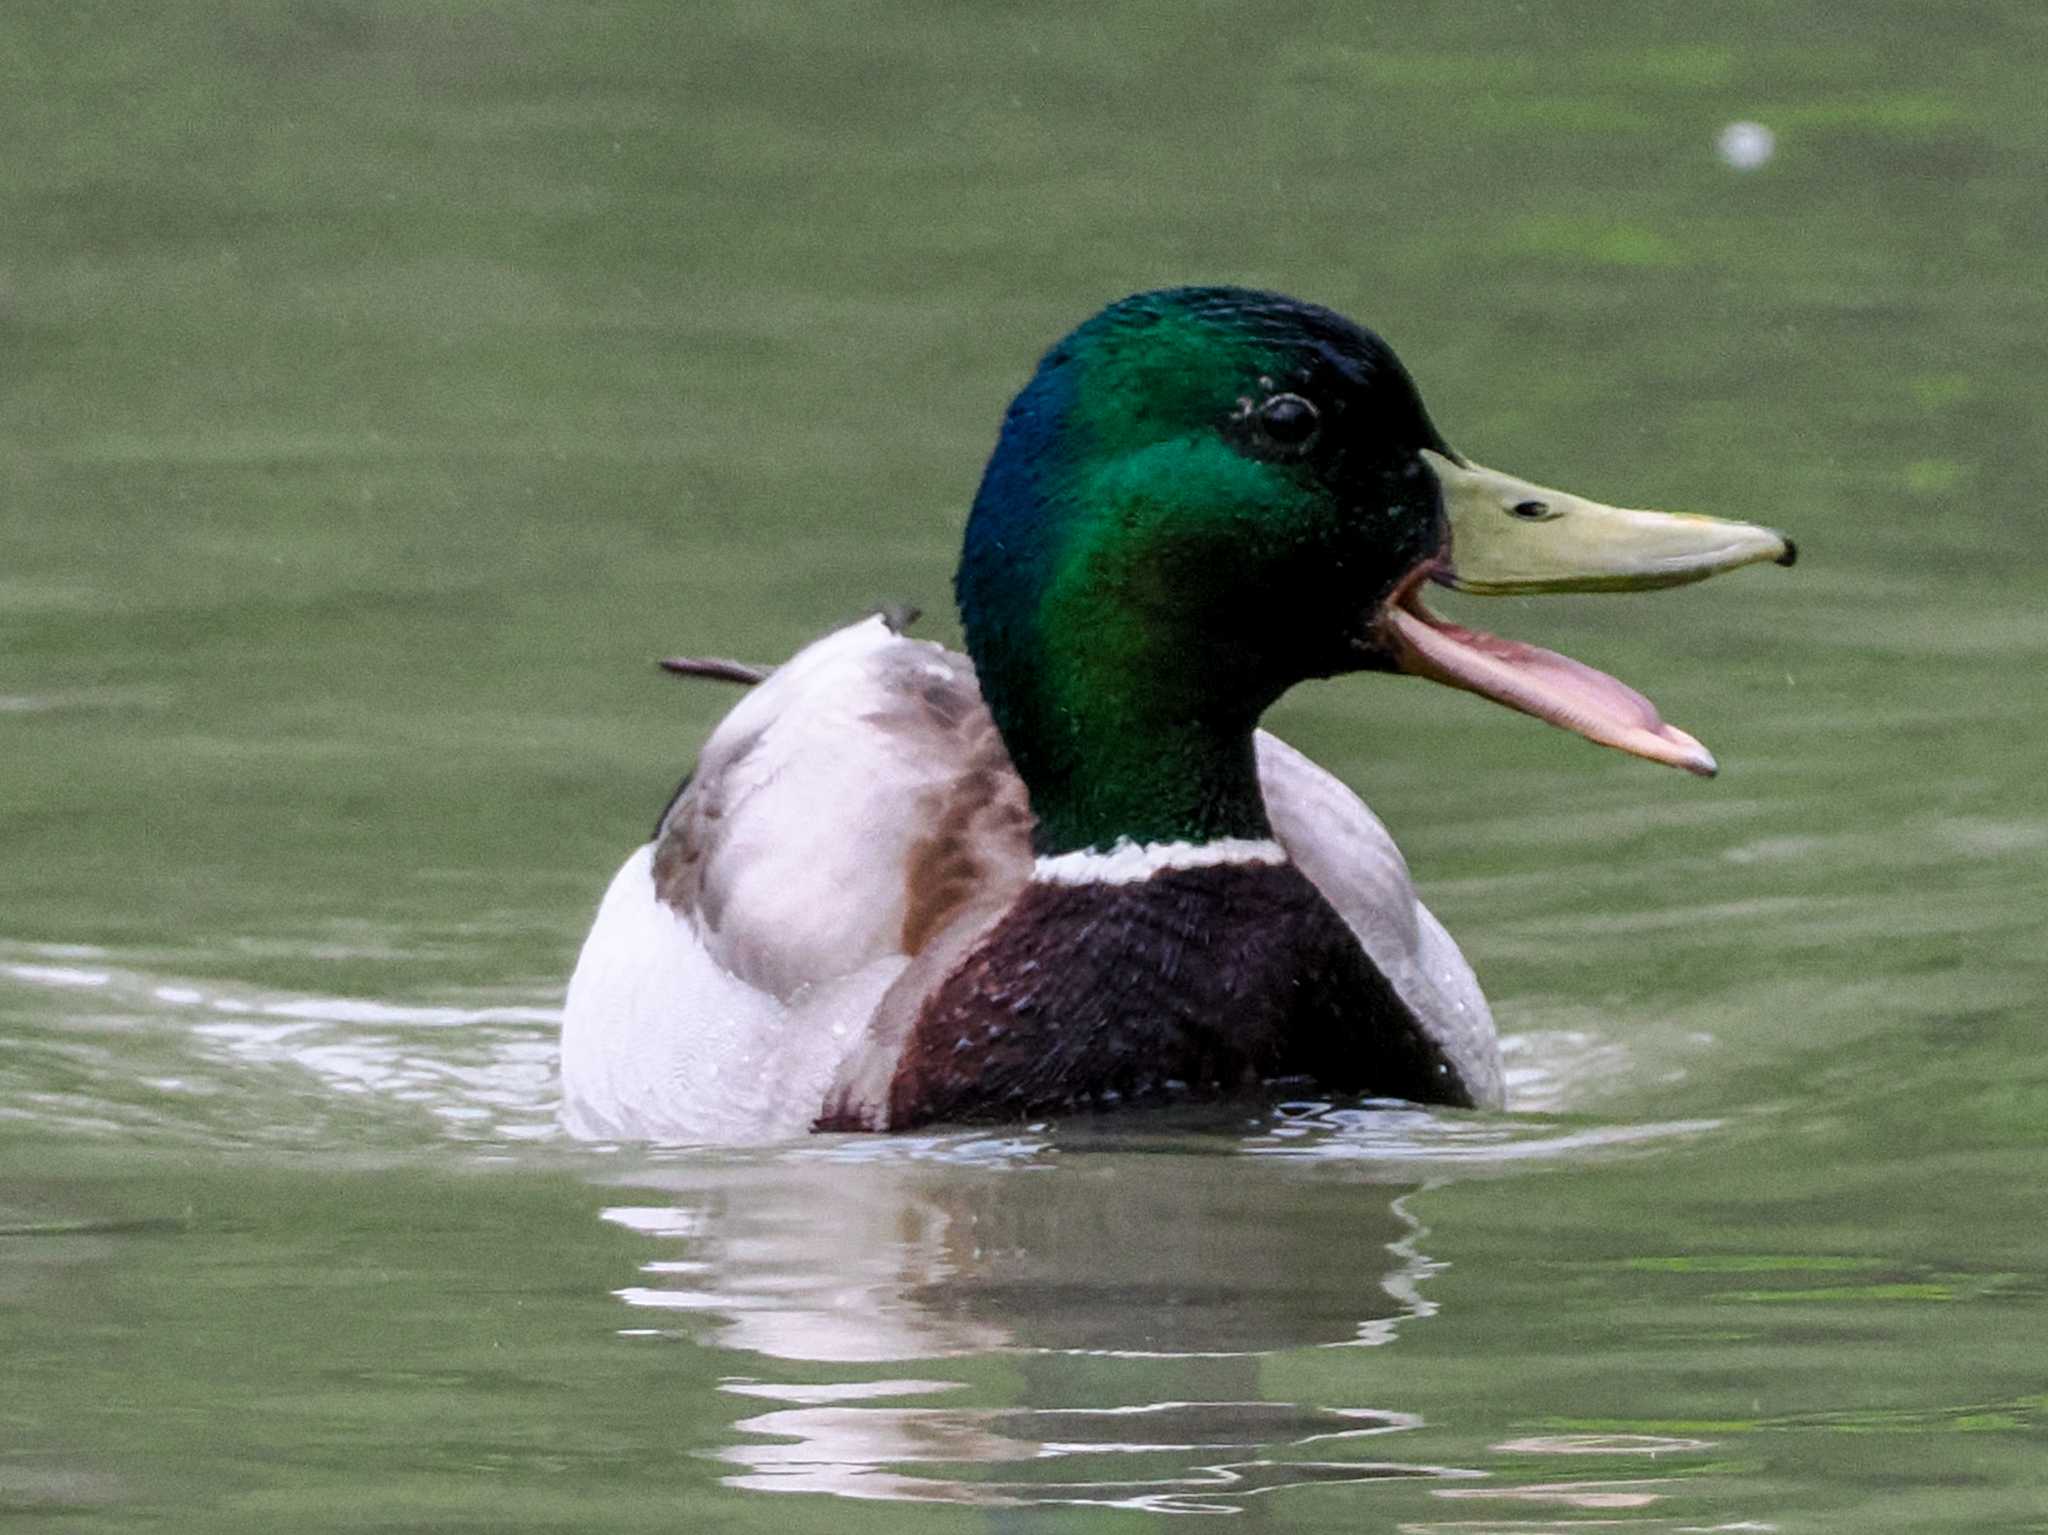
(1552, 687)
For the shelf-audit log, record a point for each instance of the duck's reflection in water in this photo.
(1099, 1324)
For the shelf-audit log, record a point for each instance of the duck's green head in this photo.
(1206, 495)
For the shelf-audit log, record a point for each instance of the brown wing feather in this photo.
(843, 811)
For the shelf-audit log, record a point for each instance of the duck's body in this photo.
(793, 948)
(904, 887)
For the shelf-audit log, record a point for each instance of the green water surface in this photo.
(383, 386)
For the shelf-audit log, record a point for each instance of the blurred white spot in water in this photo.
(361, 1010)
(58, 975)
(1602, 1444)
(657, 1220)
(1630, 1493)
(1746, 145)
(806, 1395)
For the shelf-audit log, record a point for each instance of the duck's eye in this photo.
(1288, 419)
(1531, 511)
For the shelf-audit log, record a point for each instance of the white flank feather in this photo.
(661, 1042)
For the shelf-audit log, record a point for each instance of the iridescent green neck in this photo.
(1119, 741)
(1153, 785)
(1113, 656)
(1130, 693)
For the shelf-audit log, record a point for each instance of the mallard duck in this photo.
(1068, 870)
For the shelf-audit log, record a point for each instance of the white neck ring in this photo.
(1127, 862)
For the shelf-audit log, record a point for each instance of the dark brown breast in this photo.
(1196, 983)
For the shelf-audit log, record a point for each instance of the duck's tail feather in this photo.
(716, 668)
(899, 616)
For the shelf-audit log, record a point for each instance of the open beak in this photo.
(1508, 535)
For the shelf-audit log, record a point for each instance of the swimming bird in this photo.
(1068, 870)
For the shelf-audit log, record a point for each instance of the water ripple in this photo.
(103, 1049)
(1190, 1457)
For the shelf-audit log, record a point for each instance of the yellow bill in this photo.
(1511, 535)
